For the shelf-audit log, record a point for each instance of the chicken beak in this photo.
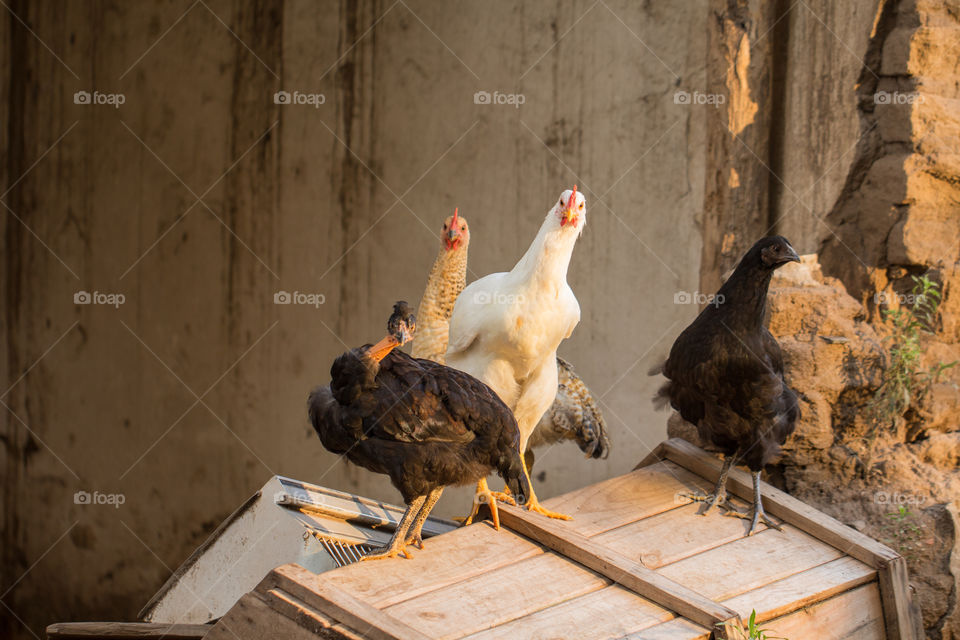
(380, 350)
(569, 214)
(452, 238)
(792, 255)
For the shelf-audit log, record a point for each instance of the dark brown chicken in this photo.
(725, 374)
(423, 424)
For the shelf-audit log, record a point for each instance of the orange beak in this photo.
(570, 215)
(452, 238)
(380, 350)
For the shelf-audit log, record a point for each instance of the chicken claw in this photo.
(533, 504)
(489, 498)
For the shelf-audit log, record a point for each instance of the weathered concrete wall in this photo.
(188, 396)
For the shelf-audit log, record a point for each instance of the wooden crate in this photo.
(635, 562)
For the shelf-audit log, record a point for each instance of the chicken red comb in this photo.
(454, 223)
(573, 198)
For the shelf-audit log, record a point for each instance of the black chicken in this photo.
(423, 424)
(725, 375)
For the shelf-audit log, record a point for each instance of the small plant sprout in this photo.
(750, 632)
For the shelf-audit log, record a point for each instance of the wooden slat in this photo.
(252, 619)
(336, 603)
(611, 612)
(853, 615)
(749, 563)
(127, 630)
(901, 622)
(447, 559)
(627, 498)
(673, 535)
(497, 597)
(782, 505)
(676, 629)
(661, 590)
(800, 590)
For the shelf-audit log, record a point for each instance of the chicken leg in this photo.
(533, 504)
(757, 513)
(398, 543)
(719, 496)
(489, 498)
(414, 536)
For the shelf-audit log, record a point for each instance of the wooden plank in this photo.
(627, 498)
(656, 455)
(749, 563)
(336, 603)
(611, 612)
(902, 622)
(447, 559)
(127, 630)
(676, 629)
(251, 619)
(782, 505)
(303, 614)
(673, 535)
(498, 597)
(853, 615)
(800, 590)
(632, 575)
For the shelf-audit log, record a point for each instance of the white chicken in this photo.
(506, 327)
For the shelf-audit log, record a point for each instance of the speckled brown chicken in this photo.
(447, 279)
(574, 414)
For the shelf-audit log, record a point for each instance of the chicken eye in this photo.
(463, 227)
(581, 205)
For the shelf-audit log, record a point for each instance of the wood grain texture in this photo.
(127, 630)
(627, 498)
(334, 602)
(853, 615)
(783, 505)
(446, 560)
(749, 563)
(674, 535)
(497, 597)
(800, 590)
(611, 612)
(669, 594)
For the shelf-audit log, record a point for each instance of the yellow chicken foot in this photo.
(489, 498)
(397, 545)
(533, 504)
